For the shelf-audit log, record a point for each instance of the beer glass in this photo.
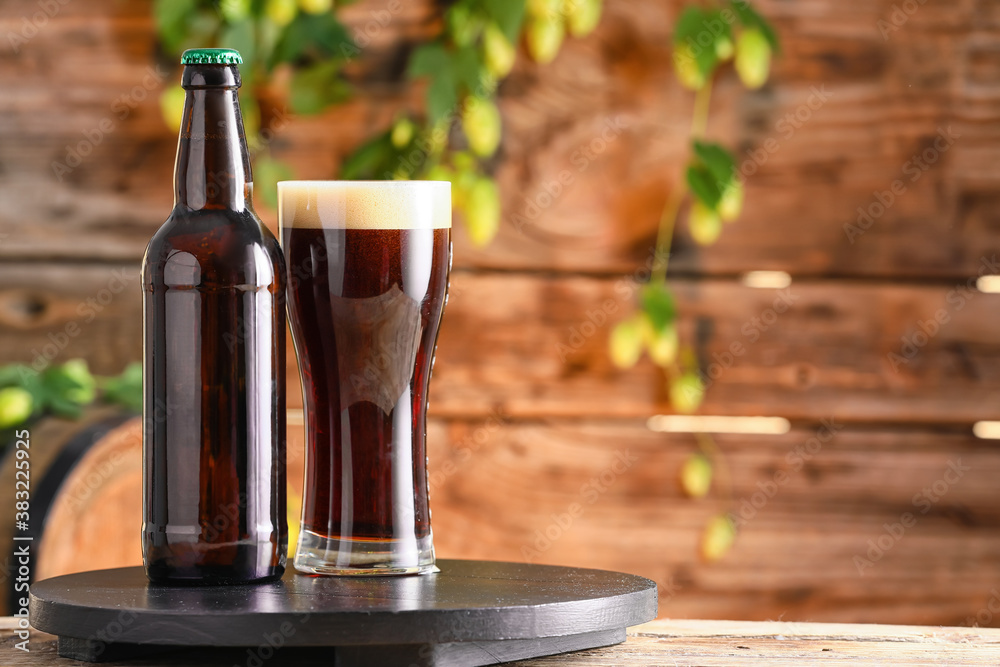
(368, 267)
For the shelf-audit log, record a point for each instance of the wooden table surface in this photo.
(666, 643)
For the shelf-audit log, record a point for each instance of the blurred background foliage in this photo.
(297, 51)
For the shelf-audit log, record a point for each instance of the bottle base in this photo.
(317, 554)
(208, 576)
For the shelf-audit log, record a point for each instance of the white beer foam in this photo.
(365, 204)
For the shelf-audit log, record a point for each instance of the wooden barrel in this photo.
(85, 498)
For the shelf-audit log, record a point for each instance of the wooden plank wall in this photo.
(519, 426)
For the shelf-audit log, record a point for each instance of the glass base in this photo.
(317, 554)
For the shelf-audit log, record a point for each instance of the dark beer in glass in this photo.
(368, 267)
(213, 281)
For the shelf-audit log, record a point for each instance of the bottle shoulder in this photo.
(213, 248)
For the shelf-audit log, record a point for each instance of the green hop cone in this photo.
(234, 11)
(723, 48)
(717, 538)
(440, 172)
(498, 53)
(482, 211)
(696, 476)
(402, 133)
(281, 12)
(16, 406)
(582, 16)
(753, 58)
(662, 345)
(172, 107)
(544, 37)
(546, 8)
(732, 201)
(625, 342)
(705, 224)
(686, 67)
(315, 6)
(686, 393)
(482, 126)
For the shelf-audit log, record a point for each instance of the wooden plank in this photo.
(535, 345)
(888, 99)
(695, 642)
(813, 544)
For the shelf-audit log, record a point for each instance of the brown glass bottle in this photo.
(213, 375)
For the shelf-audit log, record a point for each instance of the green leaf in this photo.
(719, 161)
(658, 303)
(86, 390)
(313, 37)
(508, 15)
(432, 60)
(315, 88)
(125, 389)
(171, 21)
(240, 36)
(370, 160)
(704, 185)
(467, 65)
(267, 173)
(464, 25)
(201, 30)
(695, 35)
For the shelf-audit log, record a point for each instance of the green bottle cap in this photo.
(211, 57)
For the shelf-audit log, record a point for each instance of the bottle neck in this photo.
(213, 165)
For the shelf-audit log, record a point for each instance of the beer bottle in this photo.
(214, 354)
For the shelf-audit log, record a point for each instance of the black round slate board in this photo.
(470, 613)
